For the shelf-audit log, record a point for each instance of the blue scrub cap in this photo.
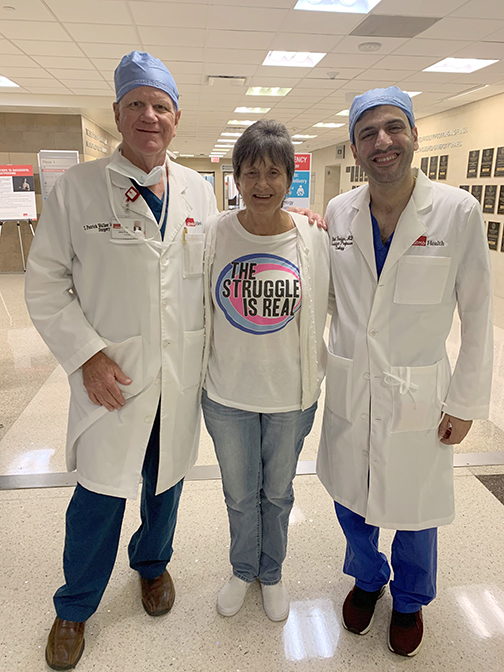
(391, 96)
(141, 69)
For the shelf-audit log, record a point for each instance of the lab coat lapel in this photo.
(362, 230)
(121, 184)
(410, 225)
(179, 207)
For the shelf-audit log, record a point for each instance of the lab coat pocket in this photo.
(416, 397)
(339, 385)
(421, 280)
(192, 357)
(194, 246)
(128, 356)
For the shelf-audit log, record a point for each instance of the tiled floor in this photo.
(464, 625)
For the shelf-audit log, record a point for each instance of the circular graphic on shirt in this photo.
(259, 293)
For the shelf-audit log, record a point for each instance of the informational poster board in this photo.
(17, 193)
(299, 195)
(52, 164)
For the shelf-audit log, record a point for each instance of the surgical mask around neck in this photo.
(123, 166)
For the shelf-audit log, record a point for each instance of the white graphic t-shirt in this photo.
(254, 360)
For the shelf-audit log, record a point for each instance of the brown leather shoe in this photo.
(158, 595)
(65, 644)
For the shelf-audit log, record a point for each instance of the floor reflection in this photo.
(312, 630)
(483, 609)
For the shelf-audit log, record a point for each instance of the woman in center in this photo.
(266, 293)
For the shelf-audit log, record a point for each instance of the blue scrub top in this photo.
(380, 249)
(154, 203)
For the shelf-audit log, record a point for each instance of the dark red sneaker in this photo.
(406, 633)
(358, 609)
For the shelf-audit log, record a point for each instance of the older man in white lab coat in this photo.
(404, 252)
(115, 286)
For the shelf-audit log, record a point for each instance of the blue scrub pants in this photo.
(93, 528)
(414, 561)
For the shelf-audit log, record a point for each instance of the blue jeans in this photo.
(257, 454)
(414, 561)
(93, 528)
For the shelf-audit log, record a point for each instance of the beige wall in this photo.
(205, 165)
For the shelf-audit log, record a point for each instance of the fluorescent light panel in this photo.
(343, 113)
(252, 110)
(293, 59)
(412, 94)
(237, 122)
(303, 137)
(267, 91)
(330, 125)
(7, 82)
(231, 135)
(459, 65)
(347, 6)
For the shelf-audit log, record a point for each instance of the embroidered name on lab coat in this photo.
(341, 242)
(99, 227)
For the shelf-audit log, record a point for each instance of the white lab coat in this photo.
(139, 302)
(388, 375)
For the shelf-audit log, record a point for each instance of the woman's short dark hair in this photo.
(265, 138)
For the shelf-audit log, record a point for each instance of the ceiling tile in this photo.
(12, 72)
(33, 30)
(251, 56)
(350, 44)
(419, 46)
(325, 23)
(481, 9)
(462, 29)
(25, 10)
(283, 41)
(76, 75)
(39, 48)
(238, 39)
(7, 47)
(437, 8)
(490, 50)
(172, 15)
(355, 60)
(105, 50)
(176, 54)
(113, 12)
(90, 32)
(402, 62)
(49, 62)
(181, 37)
(17, 61)
(231, 18)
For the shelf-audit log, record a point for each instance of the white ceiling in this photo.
(63, 53)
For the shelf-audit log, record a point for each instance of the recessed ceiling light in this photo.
(368, 47)
(237, 122)
(231, 135)
(303, 137)
(7, 82)
(252, 110)
(186, 156)
(412, 94)
(459, 65)
(351, 6)
(330, 125)
(267, 91)
(293, 59)
(297, 142)
(343, 113)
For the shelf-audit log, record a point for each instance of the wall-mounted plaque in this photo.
(493, 234)
(489, 200)
(476, 191)
(433, 165)
(472, 163)
(465, 187)
(443, 167)
(500, 207)
(499, 163)
(424, 165)
(486, 162)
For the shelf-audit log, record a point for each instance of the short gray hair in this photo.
(265, 138)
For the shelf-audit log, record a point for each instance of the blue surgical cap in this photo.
(391, 96)
(141, 69)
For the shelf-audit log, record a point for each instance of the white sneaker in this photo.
(231, 596)
(275, 601)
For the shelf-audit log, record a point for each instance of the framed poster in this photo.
(443, 167)
(17, 193)
(486, 162)
(500, 207)
(424, 165)
(433, 166)
(493, 234)
(489, 199)
(499, 163)
(477, 191)
(472, 163)
(299, 195)
(52, 164)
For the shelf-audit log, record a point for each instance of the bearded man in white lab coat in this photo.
(404, 252)
(114, 284)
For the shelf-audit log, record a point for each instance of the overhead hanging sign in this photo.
(299, 194)
(17, 193)
(52, 164)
